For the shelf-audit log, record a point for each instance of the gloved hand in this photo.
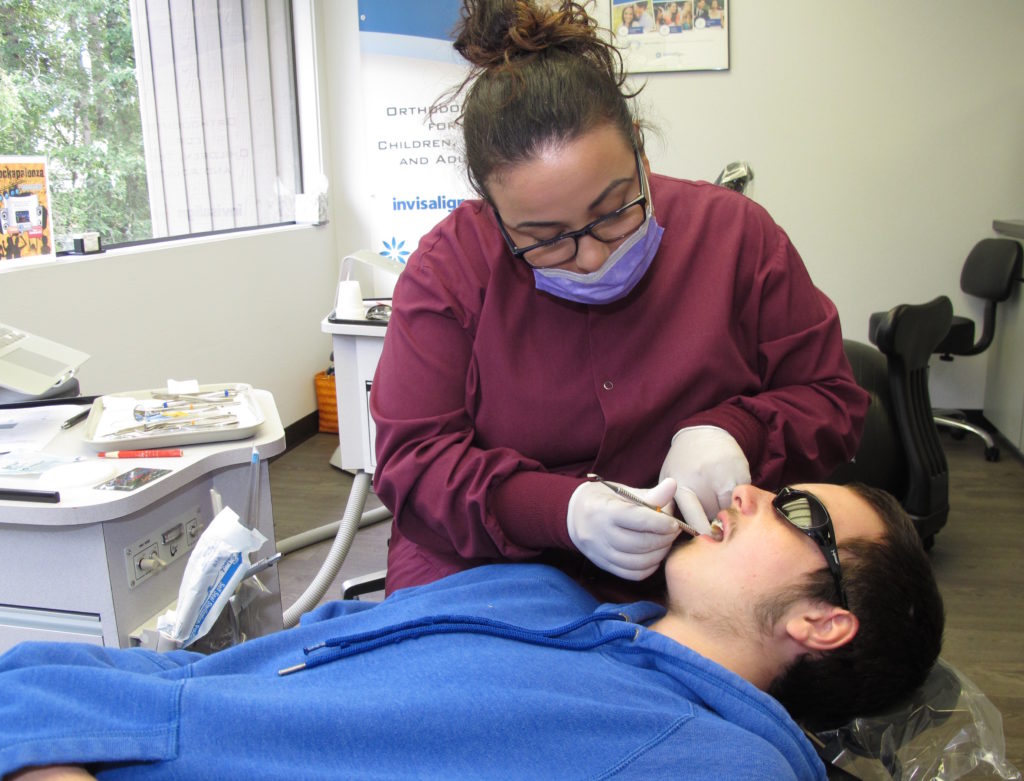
(707, 463)
(625, 539)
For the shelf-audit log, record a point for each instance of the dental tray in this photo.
(114, 413)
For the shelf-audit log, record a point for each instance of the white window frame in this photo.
(312, 157)
(218, 83)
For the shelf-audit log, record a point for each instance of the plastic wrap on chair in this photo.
(948, 729)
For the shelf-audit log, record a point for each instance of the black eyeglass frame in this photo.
(642, 199)
(821, 530)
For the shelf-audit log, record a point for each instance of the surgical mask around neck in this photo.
(616, 278)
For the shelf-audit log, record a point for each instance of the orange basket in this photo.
(326, 402)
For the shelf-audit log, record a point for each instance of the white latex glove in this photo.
(620, 537)
(707, 464)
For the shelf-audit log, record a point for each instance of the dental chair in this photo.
(946, 728)
(900, 450)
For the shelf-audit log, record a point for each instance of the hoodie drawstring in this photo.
(352, 645)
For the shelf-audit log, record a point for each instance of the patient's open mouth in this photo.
(717, 530)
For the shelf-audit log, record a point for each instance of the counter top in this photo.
(85, 504)
(1014, 228)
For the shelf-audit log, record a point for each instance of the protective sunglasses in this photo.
(806, 512)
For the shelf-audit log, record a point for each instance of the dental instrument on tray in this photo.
(194, 423)
(148, 416)
(209, 396)
(629, 496)
(178, 408)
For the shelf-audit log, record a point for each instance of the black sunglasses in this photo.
(806, 512)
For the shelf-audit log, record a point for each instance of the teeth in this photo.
(717, 530)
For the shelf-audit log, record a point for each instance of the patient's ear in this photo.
(822, 627)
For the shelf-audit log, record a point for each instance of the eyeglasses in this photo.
(607, 229)
(806, 512)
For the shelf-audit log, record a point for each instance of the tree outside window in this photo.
(68, 92)
(159, 118)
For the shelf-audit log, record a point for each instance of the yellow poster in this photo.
(25, 225)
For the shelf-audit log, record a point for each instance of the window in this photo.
(159, 118)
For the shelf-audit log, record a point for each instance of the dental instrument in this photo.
(628, 495)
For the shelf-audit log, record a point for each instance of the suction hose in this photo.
(328, 531)
(347, 528)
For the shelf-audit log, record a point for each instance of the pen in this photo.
(625, 493)
(29, 495)
(171, 453)
(76, 419)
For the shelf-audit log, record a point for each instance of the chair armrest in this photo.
(353, 588)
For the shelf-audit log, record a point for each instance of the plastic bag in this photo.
(214, 570)
(945, 731)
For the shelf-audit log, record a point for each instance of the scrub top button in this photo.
(608, 385)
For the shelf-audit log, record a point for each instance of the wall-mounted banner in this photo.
(415, 167)
(671, 35)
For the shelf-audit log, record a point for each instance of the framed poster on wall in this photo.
(655, 36)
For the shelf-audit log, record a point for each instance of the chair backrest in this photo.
(991, 270)
(907, 335)
(900, 449)
(880, 460)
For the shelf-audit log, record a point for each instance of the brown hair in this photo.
(892, 591)
(539, 76)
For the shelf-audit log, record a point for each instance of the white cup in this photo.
(349, 305)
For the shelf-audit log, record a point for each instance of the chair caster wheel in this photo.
(991, 454)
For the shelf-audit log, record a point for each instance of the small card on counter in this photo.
(132, 479)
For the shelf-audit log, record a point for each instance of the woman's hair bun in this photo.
(493, 33)
(540, 72)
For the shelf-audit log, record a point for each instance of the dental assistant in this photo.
(588, 316)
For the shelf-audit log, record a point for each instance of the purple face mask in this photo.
(617, 276)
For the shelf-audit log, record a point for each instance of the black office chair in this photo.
(900, 450)
(990, 272)
(360, 585)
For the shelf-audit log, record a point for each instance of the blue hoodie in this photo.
(504, 671)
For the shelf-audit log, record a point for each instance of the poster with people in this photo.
(25, 229)
(671, 35)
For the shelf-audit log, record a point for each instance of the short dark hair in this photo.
(892, 590)
(540, 75)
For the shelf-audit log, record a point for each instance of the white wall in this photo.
(885, 143)
(884, 139)
(228, 310)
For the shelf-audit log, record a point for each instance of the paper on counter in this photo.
(32, 428)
